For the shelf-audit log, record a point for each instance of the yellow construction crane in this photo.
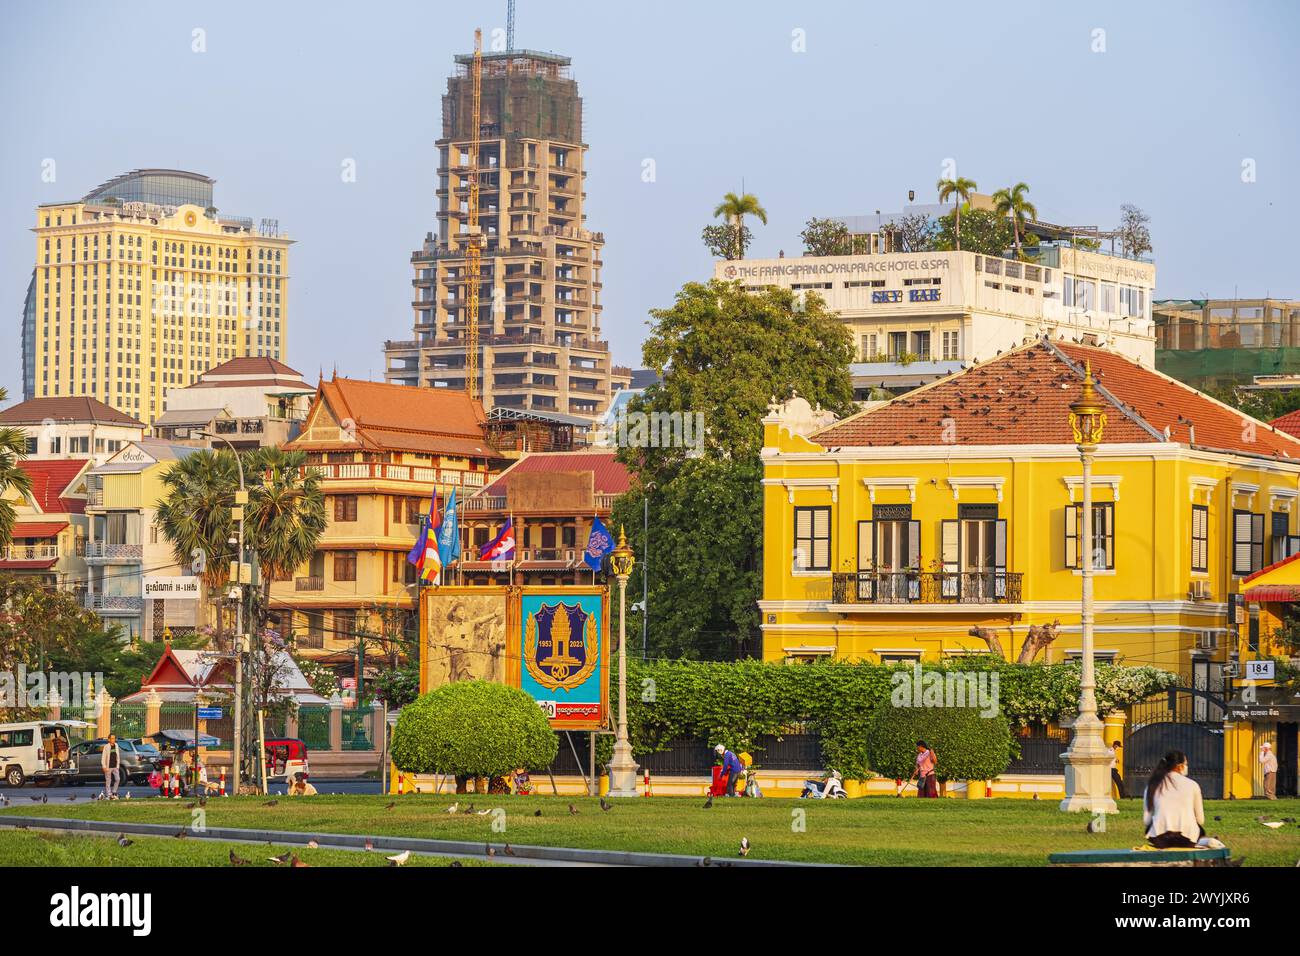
(474, 233)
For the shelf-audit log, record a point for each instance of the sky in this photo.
(1187, 109)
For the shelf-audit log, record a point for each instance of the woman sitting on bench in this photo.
(1172, 810)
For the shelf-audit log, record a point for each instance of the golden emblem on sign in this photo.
(555, 658)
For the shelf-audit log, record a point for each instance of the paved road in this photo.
(87, 791)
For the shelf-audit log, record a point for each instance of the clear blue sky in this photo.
(711, 91)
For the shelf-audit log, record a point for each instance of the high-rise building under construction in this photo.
(540, 345)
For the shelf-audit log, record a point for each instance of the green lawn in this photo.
(874, 830)
(35, 848)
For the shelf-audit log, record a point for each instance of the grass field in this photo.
(875, 830)
(34, 848)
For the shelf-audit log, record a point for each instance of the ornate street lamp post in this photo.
(622, 768)
(1088, 761)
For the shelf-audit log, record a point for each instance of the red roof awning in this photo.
(38, 529)
(27, 565)
(1273, 592)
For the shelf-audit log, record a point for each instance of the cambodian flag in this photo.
(502, 547)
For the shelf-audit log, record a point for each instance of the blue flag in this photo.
(449, 534)
(599, 544)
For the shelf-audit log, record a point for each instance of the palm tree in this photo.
(13, 449)
(736, 208)
(1011, 202)
(960, 189)
(286, 514)
(195, 515)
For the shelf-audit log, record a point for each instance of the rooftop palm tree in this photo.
(286, 514)
(195, 515)
(13, 449)
(960, 189)
(1011, 202)
(735, 208)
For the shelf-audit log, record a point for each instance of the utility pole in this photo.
(237, 512)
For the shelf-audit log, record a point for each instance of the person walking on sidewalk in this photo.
(1268, 764)
(110, 761)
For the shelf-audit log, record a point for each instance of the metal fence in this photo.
(176, 717)
(314, 726)
(1040, 750)
(128, 721)
(356, 729)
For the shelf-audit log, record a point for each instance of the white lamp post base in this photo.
(622, 771)
(1087, 770)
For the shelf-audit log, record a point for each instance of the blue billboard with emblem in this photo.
(563, 653)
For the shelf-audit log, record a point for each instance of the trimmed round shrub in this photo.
(968, 746)
(473, 728)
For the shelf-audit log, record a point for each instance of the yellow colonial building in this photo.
(923, 526)
(892, 533)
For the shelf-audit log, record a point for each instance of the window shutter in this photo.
(913, 544)
(950, 555)
(1256, 542)
(1104, 534)
(802, 538)
(1241, 542)
(1072, 536)
(951, 546)
(866, 545)
(1000, 558)
(821, 556)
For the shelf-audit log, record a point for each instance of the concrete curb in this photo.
(393, 844)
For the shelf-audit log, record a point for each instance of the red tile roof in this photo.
(402, 418)
(1270, 567)
(51, 479)
(609, 476)
(72, 408)
(38, 529)
(8, 565)
(1023, 397)
(1289, 423)
(253, 365)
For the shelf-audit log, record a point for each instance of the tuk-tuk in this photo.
(285, 756)
(173, 745)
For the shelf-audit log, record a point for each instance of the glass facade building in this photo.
(163, 187)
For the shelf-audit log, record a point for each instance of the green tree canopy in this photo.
(723, 353)
(473, 728)
(13, 449)
(981, 231)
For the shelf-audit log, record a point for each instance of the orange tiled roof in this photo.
(71, 408)
(1023, 397)
(400, 417)
(50, 481)
(608, 473)
(1289, 423)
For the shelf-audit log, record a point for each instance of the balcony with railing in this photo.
(105, 551)
(315, 582)
(30, 552)
(385, 471)
(111, 602)
(925, 590)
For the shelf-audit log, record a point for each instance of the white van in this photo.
(38, 750)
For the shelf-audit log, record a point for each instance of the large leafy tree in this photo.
(826, 237)
(1013, 202)
(722, 352)
(13, 449)
(959, 190)
(286, 513)
(984, 232)
(1134, 230)
(195, 516)
(733, 209)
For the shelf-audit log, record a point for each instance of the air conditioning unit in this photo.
(1207, 641)
(1199, 590)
